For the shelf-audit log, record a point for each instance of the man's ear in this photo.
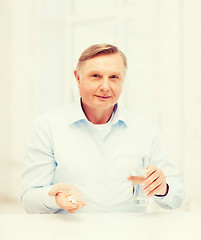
(77, 77)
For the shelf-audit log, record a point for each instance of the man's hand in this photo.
(153, 182)
(61, 191)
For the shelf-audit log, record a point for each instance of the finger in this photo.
(136, 179)
(155, 191)
(79, 206)
(149, 171)
(73, 210)
(84, 203)
(53, 190)
(152, 186)
(150, 180)
(64, 203)
(129, 178)
(70, 209)
(71, 206)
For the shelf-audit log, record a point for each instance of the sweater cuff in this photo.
(49, 201)
(165, 194)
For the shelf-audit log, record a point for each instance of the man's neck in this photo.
(97, 116)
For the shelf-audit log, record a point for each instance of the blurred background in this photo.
(40, 42)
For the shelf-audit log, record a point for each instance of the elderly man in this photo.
(79, 157)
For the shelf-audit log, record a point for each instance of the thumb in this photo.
(129, 178)
(53, 190)
(84, 203)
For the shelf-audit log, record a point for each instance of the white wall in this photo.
(4, 95)
(41, 41)
(191, 110)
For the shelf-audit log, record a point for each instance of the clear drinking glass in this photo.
(139, 198)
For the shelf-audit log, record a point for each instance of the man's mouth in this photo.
(103, 97)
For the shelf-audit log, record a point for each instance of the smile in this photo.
(103, 97)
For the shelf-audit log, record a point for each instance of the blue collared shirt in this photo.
(65, 147)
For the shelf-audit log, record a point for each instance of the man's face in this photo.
(100, 81)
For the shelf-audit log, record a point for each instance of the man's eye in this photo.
(95, 75)
(114, 76)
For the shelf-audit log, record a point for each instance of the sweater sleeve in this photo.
(176, 191)
(39, 170)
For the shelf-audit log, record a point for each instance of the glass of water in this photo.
(139, 198)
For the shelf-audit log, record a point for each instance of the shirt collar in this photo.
(119, 116)
(78, 114)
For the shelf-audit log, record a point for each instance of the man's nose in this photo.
(105, 84)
